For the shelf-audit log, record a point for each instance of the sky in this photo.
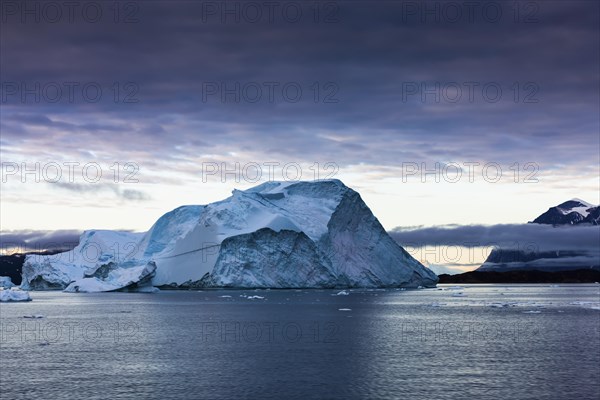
(438, 113)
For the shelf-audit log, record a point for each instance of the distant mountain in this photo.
(572, 212)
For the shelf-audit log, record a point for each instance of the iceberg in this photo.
(13, 294)
(317, 234)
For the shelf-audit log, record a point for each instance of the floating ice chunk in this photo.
(531, 312)
(255, 297)
(344, 309)
(342, 293)
(14, 294)
(227, 296)
(498, 305)
(435, 304)
(455, 288)
(459, 294)
(592, 305)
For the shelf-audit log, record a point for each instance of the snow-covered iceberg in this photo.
(14, 294)
(276, 235)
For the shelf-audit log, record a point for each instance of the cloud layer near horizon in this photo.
(528, 237)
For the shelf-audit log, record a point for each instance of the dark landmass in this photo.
(526, 276)
(12, 265)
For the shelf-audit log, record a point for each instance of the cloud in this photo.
(452, 249)
(368, 53)
(123, 194)
(362, 61)
(134, 195)
(30, 240)
(511, 236)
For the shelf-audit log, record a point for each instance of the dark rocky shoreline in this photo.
(524, 276)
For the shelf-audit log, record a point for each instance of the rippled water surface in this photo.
(470, 342)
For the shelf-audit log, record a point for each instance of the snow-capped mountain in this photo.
(571, 217)
(570, 212)
(277, 235)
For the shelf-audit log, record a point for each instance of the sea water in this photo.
(452, 342)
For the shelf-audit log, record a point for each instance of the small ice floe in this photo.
(498, 305)
(225, 296)
(420, 287)
(342, 293)
(531, 304)
(14, 294)
(344, 309)
(435, 304)
(255, 297)
(455, 288)
(592, 305)
(35, 316)
(459, 294)
(532, 312)
(554, 286)
(580, 303)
